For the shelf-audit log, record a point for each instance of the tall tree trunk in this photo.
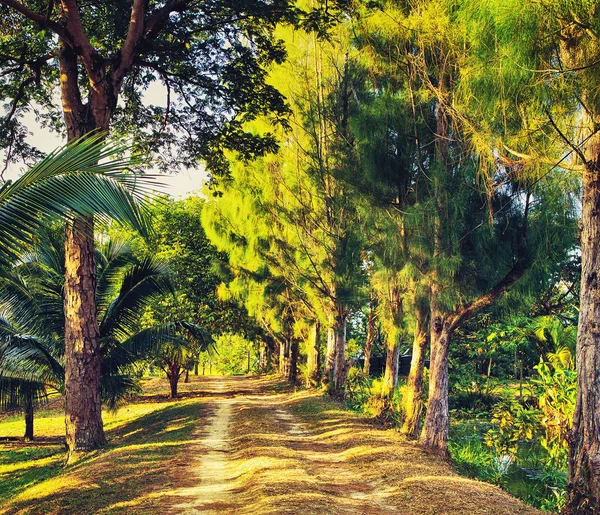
(84, 429)
(284, 357)
(262, 357)
(313, 359)
(390, 376)
(292, 368)
(187, 376)
(371, 334)
(83, 415)
(196, 368)
(435, 429)
(336, 340)
(29, 417)
(584, 438)
(413, 394)
(330, 358)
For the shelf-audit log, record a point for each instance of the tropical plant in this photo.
(32, 329)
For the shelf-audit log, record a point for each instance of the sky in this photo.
(178, 185)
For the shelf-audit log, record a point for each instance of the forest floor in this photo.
(238, 445)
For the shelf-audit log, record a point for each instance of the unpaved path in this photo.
(284, 453)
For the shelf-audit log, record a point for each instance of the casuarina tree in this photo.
(98, 58)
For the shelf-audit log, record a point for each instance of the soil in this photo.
(243, 446)
(269, 452)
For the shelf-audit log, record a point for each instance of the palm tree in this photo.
(32, 327)
(84, 178)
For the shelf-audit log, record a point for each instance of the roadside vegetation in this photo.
(399, 208)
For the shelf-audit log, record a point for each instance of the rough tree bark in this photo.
(413, 393)
(313, 358)
(29, 418)
(584, 438)
(435, 429)
(84, 429)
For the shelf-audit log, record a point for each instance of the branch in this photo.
(569, 143)
(134, 33)
(17, 99)
(515, 273)
(81, 43)
(158, 18)
(38, 18)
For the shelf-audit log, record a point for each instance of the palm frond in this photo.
(85, 177)
(139, 285)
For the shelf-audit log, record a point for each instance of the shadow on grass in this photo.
(130, 476)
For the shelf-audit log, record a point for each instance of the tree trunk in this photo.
(83, 411)
(371, 333)
(292, 361)
(584, 438)
(390, 377)
(284, 357)
(336, 347)
(435, 429)
(313, 360)
(187, 376)
(330, 360)
(29, 418)
(413, 394)
(173, 375)
(196, 368)
(84, 429)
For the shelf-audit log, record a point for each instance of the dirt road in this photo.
(261, 451)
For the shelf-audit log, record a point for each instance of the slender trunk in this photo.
(413, 394)
(337, 341)
(196, 368)
(262, 357)
(187, 376)
(330, 358)
(390, 377)
(435, 429)
(313, 360)
(284, 357)
(292, 359)
(584, 438)
(29, 418)
(84, 429)
(371, 333)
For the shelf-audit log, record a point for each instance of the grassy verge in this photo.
(147, 446)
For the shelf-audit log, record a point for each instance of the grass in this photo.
(147, 445)
(248, 446)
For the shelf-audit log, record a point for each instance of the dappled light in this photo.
(242, 445)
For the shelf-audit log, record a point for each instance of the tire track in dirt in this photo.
(268, 453)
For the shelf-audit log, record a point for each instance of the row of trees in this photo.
(431, 167)
(98, 59)
(426, 166)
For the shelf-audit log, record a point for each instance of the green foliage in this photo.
(524, 475)
(513, 423)
(548, 421)
(235, 355)
(211, 59)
